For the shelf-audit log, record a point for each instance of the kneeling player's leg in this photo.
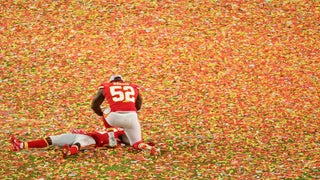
(133, 129)
(134, 136)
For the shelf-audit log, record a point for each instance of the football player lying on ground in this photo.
(75, 141)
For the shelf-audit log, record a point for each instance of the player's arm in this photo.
(97, 101)
(138, 101)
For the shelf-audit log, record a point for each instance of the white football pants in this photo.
(129, 122)
(68, 138)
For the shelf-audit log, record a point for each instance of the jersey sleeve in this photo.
(102, 85)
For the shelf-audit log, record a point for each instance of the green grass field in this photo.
(230, 88)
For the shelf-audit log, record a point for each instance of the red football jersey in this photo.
(102, 138)
(121, 96)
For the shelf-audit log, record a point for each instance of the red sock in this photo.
(41, 143)
(136, 145)
(73, 149)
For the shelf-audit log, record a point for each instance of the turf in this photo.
(230, 88)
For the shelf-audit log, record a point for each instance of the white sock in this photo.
(111, 134)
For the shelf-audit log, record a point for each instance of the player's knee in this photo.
(77, 144)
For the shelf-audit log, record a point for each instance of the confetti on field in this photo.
(230, 88)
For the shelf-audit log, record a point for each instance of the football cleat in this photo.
(112, 139)
(15, 143)
(66, 151)
(151, 150)
(154, 151)
(151, 144)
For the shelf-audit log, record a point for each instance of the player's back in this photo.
(121, 96)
